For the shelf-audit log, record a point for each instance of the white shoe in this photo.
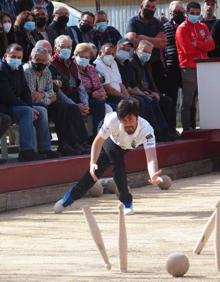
(128, 211)
(58, 207)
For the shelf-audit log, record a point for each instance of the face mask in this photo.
(193, 19)
(63, 20)
(83, 62)
(148, 14)
(144, 57)
(13, 63)
(178, 17)
(84, 27)
(38, 66)
(122, 55)
(101, 27)
(41, 22)
(7, 27)
(65, 53)
(29, 26)
(108, 60)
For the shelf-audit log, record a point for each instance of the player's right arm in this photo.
(95, 153)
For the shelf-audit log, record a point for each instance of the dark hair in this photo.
(101, 13)
(21, 19)
(106, 45)
(14, 47)
(10, 37)
(38, 8)
(127, 107)
(193, 5)
(87, 13)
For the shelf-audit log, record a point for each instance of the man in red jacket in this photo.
(193, 41)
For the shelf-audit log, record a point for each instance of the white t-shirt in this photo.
(113, 128)
(111, 74)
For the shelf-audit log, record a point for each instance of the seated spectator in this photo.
(3, 40)
(107, 67)
(42, 30)
(25, 33)
(163, 18)
(93, 53)
(9, 7)
(104, 32)
(7, 22)
(132, 73)
(15, 100)
(69, 125)
(209, 10)
(193, 40)
(60, 20)
(84, 32)
(28, 5)
(216, 37)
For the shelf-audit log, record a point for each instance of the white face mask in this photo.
(108, 60)
(7, 27)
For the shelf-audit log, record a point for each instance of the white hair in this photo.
(42, 43)
(58, 41)
(144, 43)
(175, 3)
(59, 8)
(38, 51)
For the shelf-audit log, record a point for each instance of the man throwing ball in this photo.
(121, 131)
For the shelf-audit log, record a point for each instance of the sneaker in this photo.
(63, 203)
(128, 208)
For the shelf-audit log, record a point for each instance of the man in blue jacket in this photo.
(15, 100)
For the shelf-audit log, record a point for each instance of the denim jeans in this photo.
(23, 115)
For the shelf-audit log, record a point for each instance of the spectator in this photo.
(173, 73)
(163, 18)
(139, 78)
(104, 32)
(93, 53)
(193, 40)
(84, 32)
(146, 27)
(7, 22)
(43, 31)
(15, 100)
(9, 6)
(66, 117)
(25, 33)
(28, 5)
(91, 83)
(216, 37)
(107, 67)
(209, 18)
(3, 40)
(60, 20)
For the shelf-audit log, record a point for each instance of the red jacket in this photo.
(193, 41)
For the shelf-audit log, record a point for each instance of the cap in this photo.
(125, 41)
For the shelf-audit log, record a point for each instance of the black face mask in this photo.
(178, 18)
(148, 14)
(41, 22)
(84, 27)
(63, 20)
(38, 66)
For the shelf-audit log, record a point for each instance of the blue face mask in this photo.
(65, 53)
(83, 62)
(193, 19)
(30, 26)
(144, 57)
(101, 27)
(122, 55)
(13, 63)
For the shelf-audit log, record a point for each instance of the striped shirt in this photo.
(171, 56)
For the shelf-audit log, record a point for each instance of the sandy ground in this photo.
(37, 245)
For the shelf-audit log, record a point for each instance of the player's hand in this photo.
(93, 168)
(155, 179)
